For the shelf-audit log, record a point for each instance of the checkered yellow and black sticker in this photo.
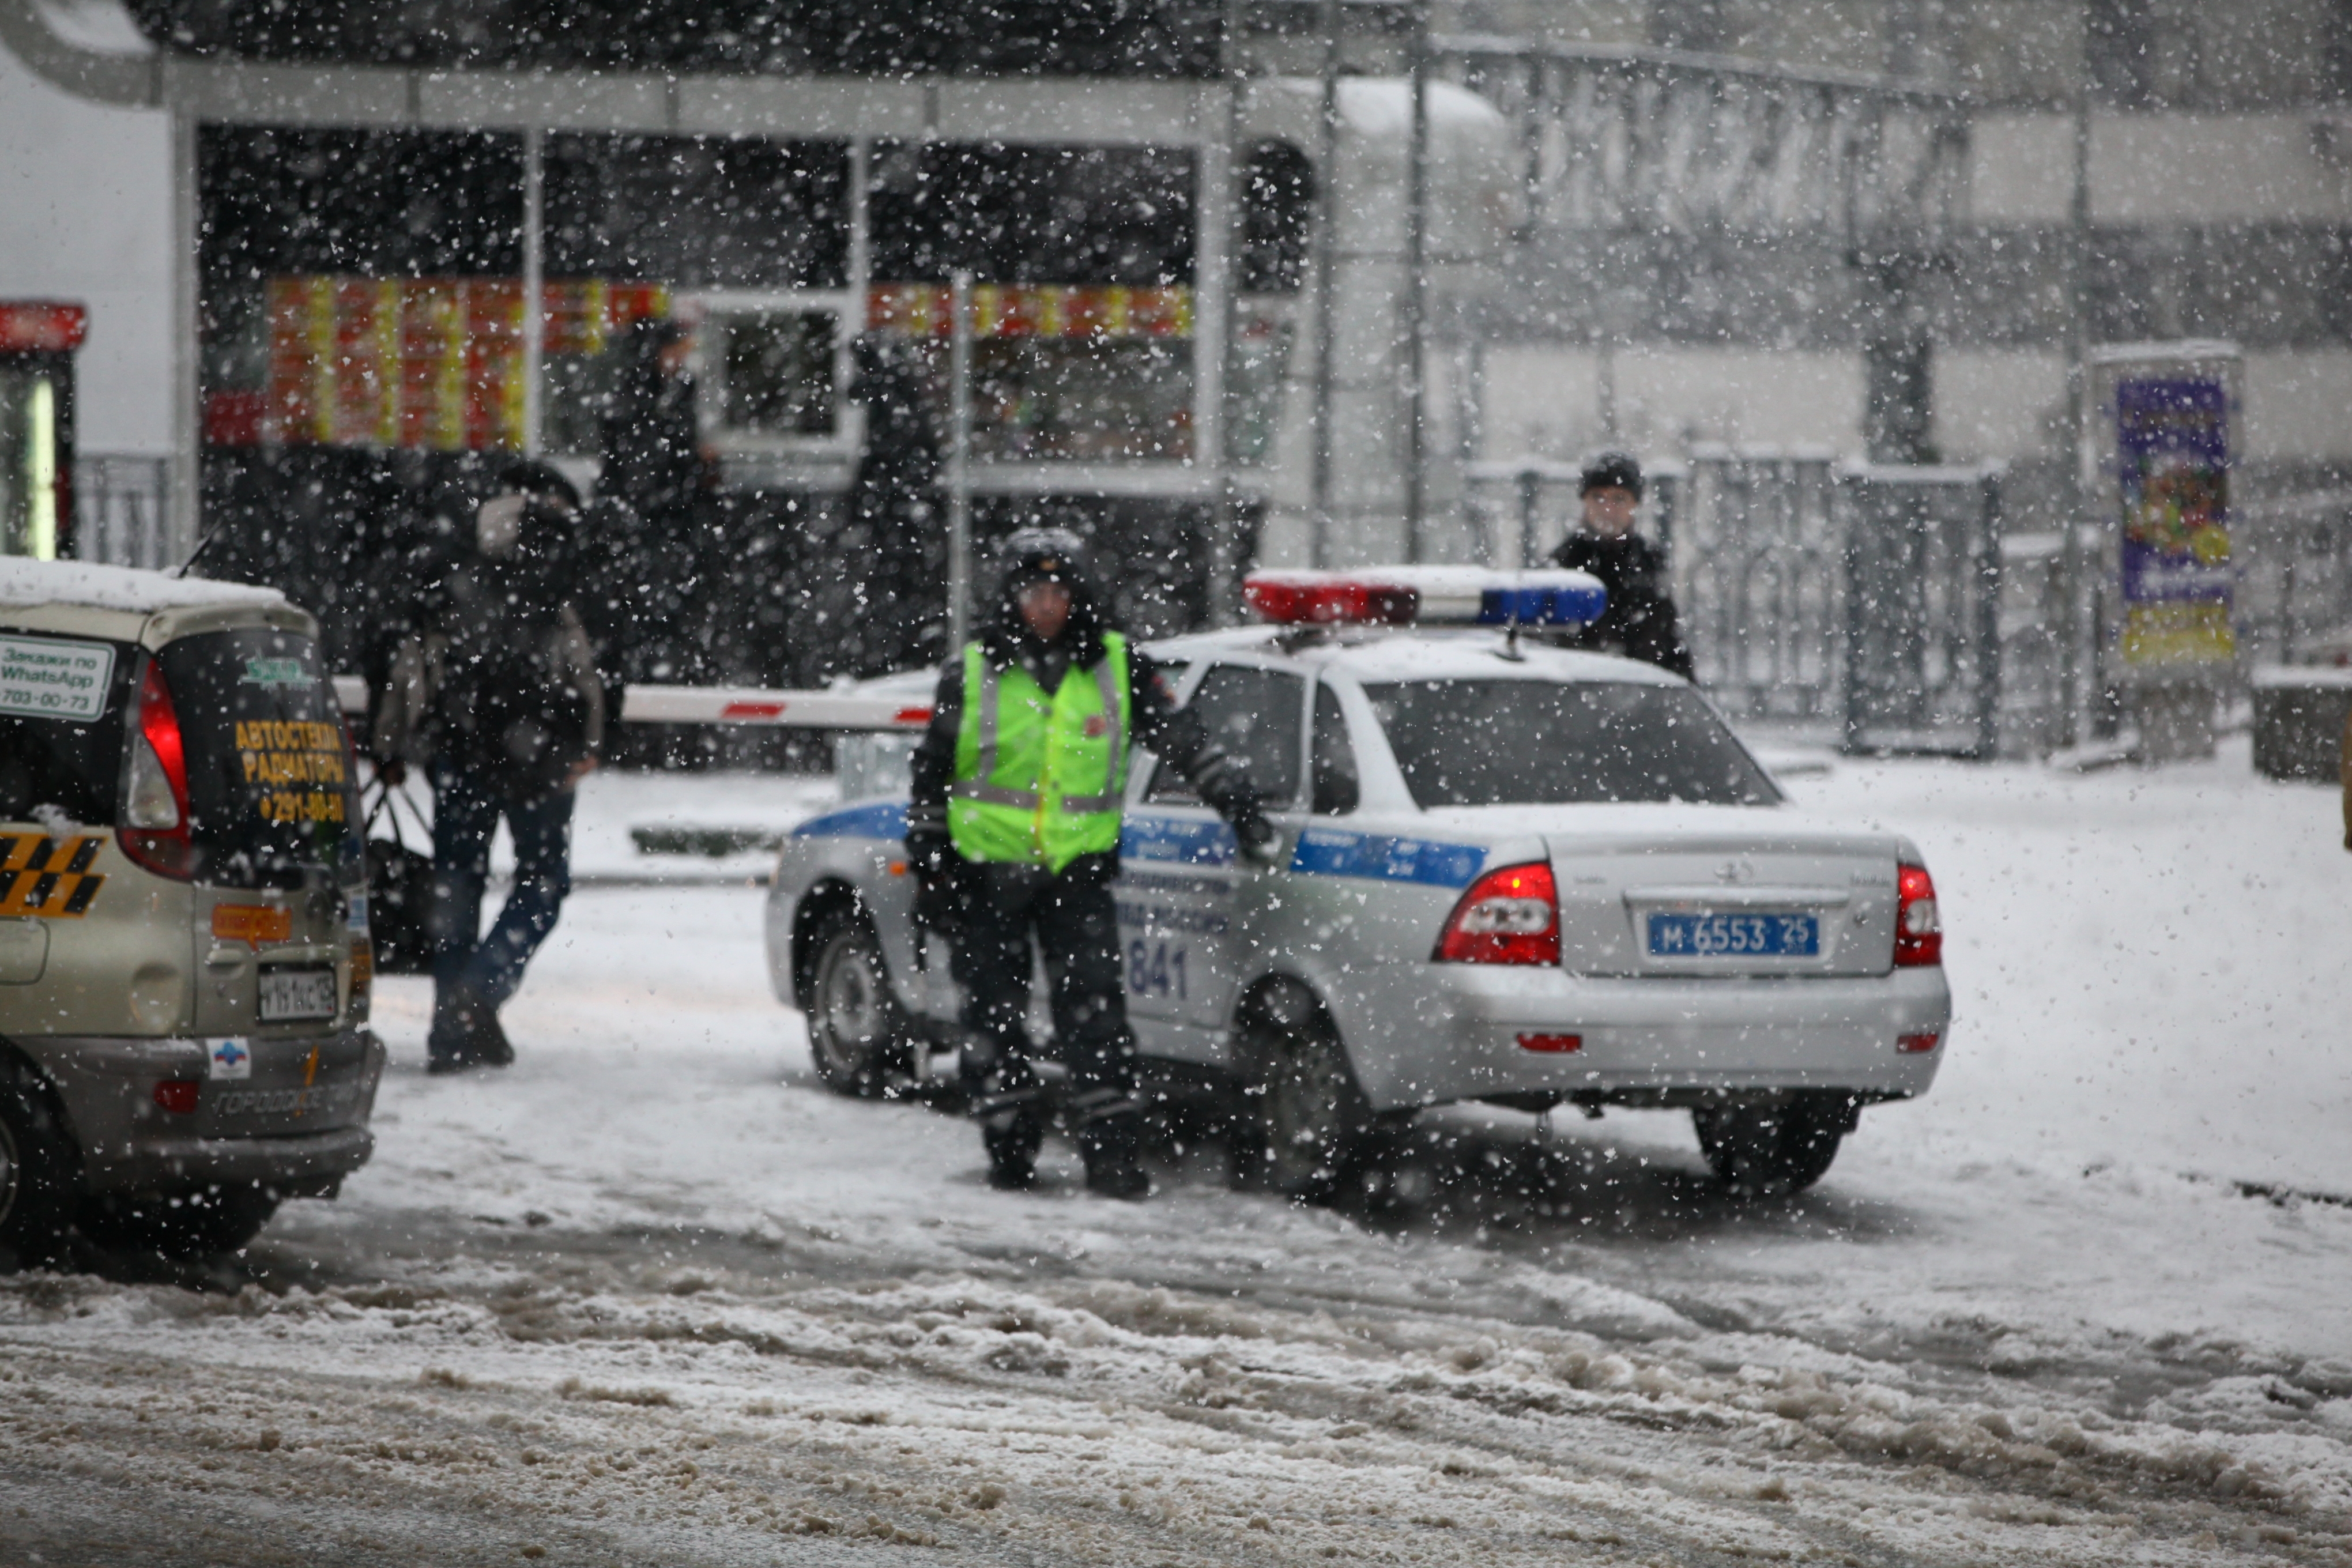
(49, 877)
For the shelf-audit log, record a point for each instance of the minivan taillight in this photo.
(1918, 932)
(1511, 915)
(154, 831)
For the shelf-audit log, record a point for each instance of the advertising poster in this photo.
(2172, 448)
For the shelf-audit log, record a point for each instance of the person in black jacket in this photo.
(987, 886)
(1639, 621)
(496, 688)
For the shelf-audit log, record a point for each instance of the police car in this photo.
(1507, 871)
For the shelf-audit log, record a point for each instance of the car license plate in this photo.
(1758, 935)
(288, 993)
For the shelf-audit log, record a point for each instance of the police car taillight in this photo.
(1511, 915)
(1918, 931)
(1426, 596)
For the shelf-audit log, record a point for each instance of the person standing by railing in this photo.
(1640, 620)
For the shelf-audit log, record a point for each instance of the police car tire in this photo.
(39, 1170)
(853, 1058)
(1303, 1127)
(1771, 1152)
(180, 1225)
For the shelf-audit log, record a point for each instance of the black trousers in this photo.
(1074, 923)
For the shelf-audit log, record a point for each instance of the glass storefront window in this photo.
(29, 469)
(1060, 371)
(775, 370)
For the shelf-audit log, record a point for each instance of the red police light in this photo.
(1325, 598)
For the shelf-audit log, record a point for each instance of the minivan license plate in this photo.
(288, 993)
(1761, 936)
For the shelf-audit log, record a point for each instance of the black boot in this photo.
(1008, 1101)
(486, 1041)
(1111, 1140)
(1012, 1137)
(456, 1030)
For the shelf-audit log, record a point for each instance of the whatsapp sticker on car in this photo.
(43, 677)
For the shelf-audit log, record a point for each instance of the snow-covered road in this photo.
(654, 1296)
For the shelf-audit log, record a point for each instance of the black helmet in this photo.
(1044, 554)
(1611, 470)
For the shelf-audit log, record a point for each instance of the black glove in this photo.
(1229, 793)
(938, 871)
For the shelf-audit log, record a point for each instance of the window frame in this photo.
(1199, 677)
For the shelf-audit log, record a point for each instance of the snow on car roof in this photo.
(26, 582)
(1418, 653)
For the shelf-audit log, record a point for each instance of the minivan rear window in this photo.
(1541, 743)
(61, 702)
(270, 784)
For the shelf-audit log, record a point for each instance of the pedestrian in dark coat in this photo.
(1640, 620)
(495, 688)
(655, 470)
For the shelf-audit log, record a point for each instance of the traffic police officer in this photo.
(1012, 827)
(1640, 620)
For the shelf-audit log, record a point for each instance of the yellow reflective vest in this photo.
(1037, 778)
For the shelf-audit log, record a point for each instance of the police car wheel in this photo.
(1304, 1129)
(1770, 1150)
(856, 1034)
(38, 1176)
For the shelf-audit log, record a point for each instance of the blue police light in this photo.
(1544, 599)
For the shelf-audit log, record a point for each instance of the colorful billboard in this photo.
(2172, 466)
(424, 363)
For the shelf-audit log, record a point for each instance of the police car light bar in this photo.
(1426, 596)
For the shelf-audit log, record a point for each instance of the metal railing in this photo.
(2294, 575)
(1627, 138)
(122, 513)
(1759, 571)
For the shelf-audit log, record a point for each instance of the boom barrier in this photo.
(733, 705)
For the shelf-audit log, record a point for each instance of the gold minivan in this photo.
(183, 940)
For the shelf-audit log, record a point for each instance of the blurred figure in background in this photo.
(1640, 620)
(494, 690)
(654, 466)
(893, 547)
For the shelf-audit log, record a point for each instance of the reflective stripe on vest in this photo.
(1024, 818)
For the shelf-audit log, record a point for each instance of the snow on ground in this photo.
(653, 1295)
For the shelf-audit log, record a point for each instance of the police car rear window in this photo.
(1538, 742)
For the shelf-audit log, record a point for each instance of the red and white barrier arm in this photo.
(733, 705)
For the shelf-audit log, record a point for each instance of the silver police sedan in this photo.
(1509, 873)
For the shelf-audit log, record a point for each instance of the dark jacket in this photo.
(1640, 620)
(1175, 735)
(496, 676)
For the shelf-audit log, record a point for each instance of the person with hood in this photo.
(1013, 829)
(1639, 621)
(495, 688)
